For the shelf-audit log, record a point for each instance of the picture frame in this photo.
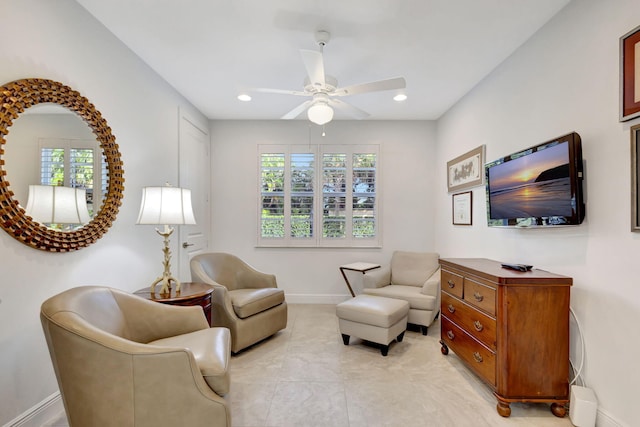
(635, 179)
(630, 75)
(466, 170)
(462, 208)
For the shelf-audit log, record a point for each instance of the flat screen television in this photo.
(537, 187)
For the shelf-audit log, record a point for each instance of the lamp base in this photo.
(166, 284)
(166, 277)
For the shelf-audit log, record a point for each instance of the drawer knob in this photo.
(478, 296)
(450, 335)
(478, 326)
(477, 356)
(451, 283)
(451, 309)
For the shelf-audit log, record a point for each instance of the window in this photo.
(71, 163)
(318, 196)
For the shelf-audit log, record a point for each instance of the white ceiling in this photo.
(210, 50)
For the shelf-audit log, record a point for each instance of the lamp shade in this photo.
(320, 113)
(166, 205)
(50, 204)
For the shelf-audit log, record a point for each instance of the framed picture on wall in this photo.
(466, 171)
(635, 179)
(630, 75)
(462, 208)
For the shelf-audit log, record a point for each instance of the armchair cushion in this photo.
(411, 294)
(247, 302)
(413, 268)
(210, 349)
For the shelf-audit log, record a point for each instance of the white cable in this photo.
(582, 350)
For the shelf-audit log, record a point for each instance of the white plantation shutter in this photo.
(334, 195)
(302, 197)
(272, 195)
(364, 202)
(52, 161)
(319, 196)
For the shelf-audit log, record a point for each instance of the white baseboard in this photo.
(315, 299)
(603, 419)
(40, 414)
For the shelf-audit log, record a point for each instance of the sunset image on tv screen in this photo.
(534, 185)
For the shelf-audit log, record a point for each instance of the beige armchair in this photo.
(245, 300)
(413, 277)
(121, 360)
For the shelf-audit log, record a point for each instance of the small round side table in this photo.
(190, 294)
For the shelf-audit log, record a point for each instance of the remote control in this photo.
(518, 267)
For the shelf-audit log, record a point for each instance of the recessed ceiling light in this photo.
(400, 97)
(244, 97)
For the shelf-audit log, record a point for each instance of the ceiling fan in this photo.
(323, 90)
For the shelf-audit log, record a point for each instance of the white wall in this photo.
(59, 40)
(564, 79)
(311, 275)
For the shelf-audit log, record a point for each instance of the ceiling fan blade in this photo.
(297, 111)
(349, 109)
(280, 91)
(314, 64)
(380, 85)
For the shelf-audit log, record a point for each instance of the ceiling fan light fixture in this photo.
(320, 113)
(245, 97)
(400, 97)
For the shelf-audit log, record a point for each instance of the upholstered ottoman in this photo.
(373, 318)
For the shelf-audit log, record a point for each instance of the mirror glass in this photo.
(51, 145)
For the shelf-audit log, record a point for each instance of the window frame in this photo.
(317, 240)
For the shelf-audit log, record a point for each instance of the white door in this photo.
(195, 174)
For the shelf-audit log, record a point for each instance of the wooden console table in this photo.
(510, 327)
(190, 294)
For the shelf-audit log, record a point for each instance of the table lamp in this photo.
(52, 204)
(166, 206)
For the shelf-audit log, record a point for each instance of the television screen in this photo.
(539, 186)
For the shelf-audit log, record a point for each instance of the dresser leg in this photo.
(504, 409)
(444, 349)
(558, 410)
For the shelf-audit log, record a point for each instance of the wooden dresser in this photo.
(510, 327)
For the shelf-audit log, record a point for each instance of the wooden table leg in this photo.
(347, 281)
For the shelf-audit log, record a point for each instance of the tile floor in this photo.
(305, 376)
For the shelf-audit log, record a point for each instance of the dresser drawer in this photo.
(480, 295)
(476, 323)
(452, 283)
(477, 356)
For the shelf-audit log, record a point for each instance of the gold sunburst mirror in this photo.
(19, 96)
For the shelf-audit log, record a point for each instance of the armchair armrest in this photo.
(432, 285)
(222, 301)
(377, 278)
